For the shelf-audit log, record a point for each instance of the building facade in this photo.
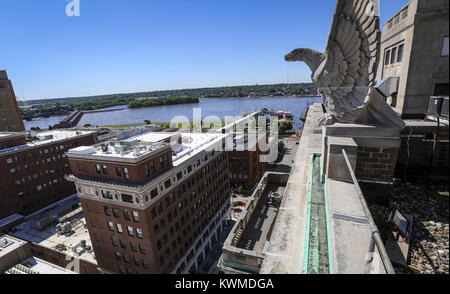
(10, 117)
(414, 56)
(246, 166)
(33, 169)
(153, 203)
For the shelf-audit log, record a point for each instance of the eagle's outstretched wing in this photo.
(352, 51)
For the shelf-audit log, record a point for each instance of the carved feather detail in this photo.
(352, 54)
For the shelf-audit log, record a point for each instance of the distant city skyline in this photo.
(137, 46)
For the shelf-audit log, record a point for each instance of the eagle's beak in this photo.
(288, 57)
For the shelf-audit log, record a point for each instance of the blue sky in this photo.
(118, 46)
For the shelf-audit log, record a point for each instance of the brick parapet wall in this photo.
(376, 164)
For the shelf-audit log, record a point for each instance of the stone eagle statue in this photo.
(345, 74)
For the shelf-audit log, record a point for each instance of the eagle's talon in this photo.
(327, 119)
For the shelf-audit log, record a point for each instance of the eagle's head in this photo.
(296, 55)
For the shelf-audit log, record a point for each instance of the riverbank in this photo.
(219, 108)
(152, 102)
(263, 97)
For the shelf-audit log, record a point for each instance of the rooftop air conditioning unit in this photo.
(444, 110)
(435, 105)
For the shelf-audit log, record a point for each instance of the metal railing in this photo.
(376, 239)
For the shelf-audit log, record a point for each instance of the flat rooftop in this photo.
(43, 138)
(144, 144)
(49, 236)
(35, 265)
(9, 244)
(152, 137)
(256, 233)
(194, 143)
(56, 135)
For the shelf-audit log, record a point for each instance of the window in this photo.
(115, 212)
(126, 258)
(121, 269)
(107, 195)
(147, 172)
(179, 176)
(114, 241)
(154, 193)
(119, 228)
(152, 167)
(393, 55)
(161, 161)
(137, 262)
(387, 58)
(105, 169)
(126, 214)
(119, 174)
(97, 167)
(145, 264)
(444, 49)
(135, 216)
(111, 226)
(166, 159)
(153, 212)
(130, 231)
(400, 52)
(125, 174)
(133, 247)
(139, 233)
(156, 229)
(107, 211)
(118, 256)
(167, 183)
(122, 244)
(142, 250)
(127, 198)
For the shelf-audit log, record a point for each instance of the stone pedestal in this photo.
(372, 151)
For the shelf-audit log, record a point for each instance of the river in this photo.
(220, 107)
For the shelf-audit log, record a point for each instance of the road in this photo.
(285, 165)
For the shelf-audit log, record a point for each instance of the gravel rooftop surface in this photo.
(429, 246)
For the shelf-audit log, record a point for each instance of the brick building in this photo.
(10, 117)
(152, 206)
(32, 169)
(246, 168)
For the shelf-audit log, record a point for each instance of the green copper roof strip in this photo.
(317, 255)
(308, 218)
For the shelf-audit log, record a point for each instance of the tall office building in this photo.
(32, 169)
(10, 117)
(153, 203)
(414, 60)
